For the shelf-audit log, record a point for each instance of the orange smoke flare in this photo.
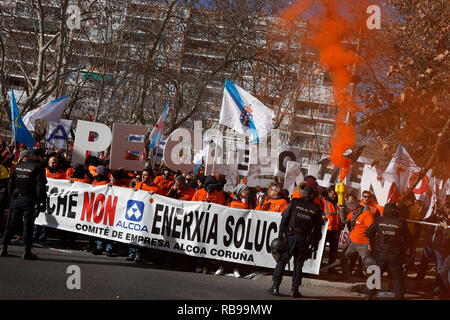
(339, 61)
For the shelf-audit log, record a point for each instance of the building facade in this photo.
(108, 66)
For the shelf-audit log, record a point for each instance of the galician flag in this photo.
(155, 136)
(20, 132)
(244, 113)
(51, 111)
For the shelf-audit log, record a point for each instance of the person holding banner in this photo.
(79, 174)
(101, 176)
(181, 190)
(209, 192)
(118, 179)
(164, 181)
(239, 199)
(52, 171)
(273, 201)
(26, 188)
(301, 225)
(148, 183)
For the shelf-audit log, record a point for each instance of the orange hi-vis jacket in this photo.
(185, 194)
(373, 209)
(56, 174)
(146, 187)
(164, 184)
(332, 214)
(84, 180)
(379, 208)
(358, 234)
(99, 183)
(274, 205)
(317, 200)
(69, 173)
(214, 197)
(238, 204)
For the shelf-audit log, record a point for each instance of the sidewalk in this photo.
(329, 282)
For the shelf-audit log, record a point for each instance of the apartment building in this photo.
(111, 74)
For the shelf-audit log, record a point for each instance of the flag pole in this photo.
(215, 148)
(12, 118)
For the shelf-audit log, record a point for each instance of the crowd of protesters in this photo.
(159, 179)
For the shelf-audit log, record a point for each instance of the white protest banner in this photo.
(370, 179)
(293, 176)
(328, 175)
(193, 228)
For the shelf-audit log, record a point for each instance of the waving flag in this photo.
(399, 171)
(20, 131)
(155, 136)
(51, 111)
(244, 113)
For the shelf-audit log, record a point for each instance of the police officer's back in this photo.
(388, 237)
(27, 190)
(300, 225)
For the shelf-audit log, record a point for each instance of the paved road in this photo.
(115, 278)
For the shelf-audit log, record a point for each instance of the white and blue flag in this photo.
(51, 111)
(244, 113)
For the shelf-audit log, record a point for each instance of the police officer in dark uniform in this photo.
(301, 224)
(27, 190)
(388, 236)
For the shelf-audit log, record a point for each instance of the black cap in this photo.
(118, 175)
(210, 180)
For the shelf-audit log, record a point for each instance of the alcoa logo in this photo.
(134, 214)
(135, 210)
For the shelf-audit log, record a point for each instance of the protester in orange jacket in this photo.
(165, 181)
(273, 201)
(79, 174)
(239, 198)
(334, 225)
(367, 200)
(147, 183)
(209, 192)
(181, 190)
(361, 218)
(52, 171)
(101, 176)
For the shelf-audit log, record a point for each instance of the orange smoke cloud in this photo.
(295, 11)
(339, 61)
